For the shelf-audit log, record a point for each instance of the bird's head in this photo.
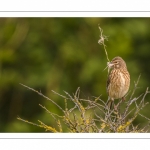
(116, 63)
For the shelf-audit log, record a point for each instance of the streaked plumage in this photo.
(118, 79)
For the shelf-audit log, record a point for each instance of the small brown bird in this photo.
(118, 80)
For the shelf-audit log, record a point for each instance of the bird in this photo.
(118, 81)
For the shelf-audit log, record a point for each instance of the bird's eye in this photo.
(116, 62)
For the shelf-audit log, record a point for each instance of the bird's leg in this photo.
(123, 98)
(110, 104)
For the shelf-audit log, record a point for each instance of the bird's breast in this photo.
(118, 86)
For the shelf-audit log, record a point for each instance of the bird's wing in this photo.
(108, 82)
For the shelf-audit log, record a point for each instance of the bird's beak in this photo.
(109, 64)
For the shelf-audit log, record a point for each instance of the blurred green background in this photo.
(62, 54)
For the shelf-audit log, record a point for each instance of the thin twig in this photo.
(135, 87)
(43, 96)
(144, 117)
(59, 95)
(73, 108)
(53, 114)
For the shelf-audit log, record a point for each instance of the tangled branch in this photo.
(92, 115)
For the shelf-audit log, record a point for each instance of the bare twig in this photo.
(60, 95)
(87, 115)
(53, 114)
(43, 96)
(135, 87)
(144, 117)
